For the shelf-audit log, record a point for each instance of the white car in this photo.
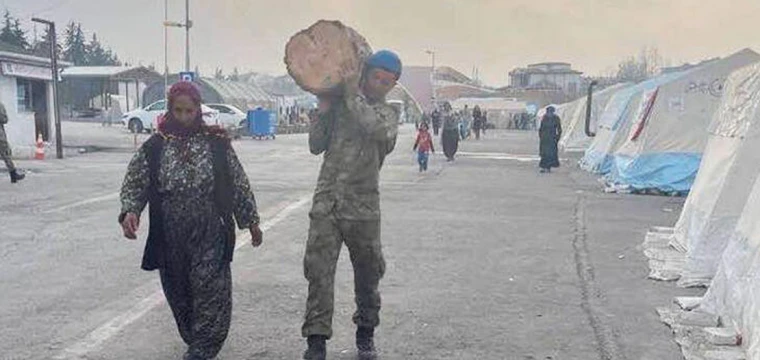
(145, 119)
(229, 117)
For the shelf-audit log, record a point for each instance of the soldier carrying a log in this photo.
(355, 131)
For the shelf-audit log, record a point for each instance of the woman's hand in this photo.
(130, 225)
(257, 237)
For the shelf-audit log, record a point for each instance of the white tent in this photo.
(619, 110)
(663, 148)
(730, 165)
(574, 136)
(734, 293)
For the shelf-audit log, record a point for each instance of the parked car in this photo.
(229, 117)
(144, 119)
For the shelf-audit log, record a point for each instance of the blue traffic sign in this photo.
(187, 76)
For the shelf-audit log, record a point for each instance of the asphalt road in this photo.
(487, 259)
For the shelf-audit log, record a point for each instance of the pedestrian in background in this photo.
(450, 132)
(549, 133)
(484, 122)
(5, 148)
(477, 121)
(464, 124)
(356, 130)
(436, 119)
(424, 146)
(197, 190)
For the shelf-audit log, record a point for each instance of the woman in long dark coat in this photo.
(450, 133)
(197, 190)
(549, 134)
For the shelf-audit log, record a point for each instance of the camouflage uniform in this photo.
(355, 137)
(194, 272)
(5, 147)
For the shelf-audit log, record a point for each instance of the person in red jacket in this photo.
(423, 146)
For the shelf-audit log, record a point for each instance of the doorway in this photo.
(40, 108)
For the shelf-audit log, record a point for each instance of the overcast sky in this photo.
(494, 35)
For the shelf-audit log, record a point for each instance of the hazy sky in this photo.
(494, 35)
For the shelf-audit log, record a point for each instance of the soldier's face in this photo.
(185, 110)
(379, 83)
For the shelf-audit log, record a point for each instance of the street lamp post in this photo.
(53, 40)
(432, 77)
(166, 50)
(187, 25)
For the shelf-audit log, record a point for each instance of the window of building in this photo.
(24, 95)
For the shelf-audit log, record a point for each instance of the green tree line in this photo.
(73, 46)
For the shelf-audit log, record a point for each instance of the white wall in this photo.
(20, 127)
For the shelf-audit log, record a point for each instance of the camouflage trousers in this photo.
(197, 283)
(327, 234)
(5, 149)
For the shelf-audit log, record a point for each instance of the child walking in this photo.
(423, 146)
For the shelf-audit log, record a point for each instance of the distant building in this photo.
(93, 87)
(449, 85)
(243, 95)
(546, 76)
(26, 91)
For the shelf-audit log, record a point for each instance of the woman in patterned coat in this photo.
(197, 189)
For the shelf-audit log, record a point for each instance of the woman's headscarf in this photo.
(172, 126)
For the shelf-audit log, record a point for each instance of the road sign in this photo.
(187, 76)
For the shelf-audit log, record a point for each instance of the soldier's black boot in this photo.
(15, 176)
(365, 343)
(317, 348)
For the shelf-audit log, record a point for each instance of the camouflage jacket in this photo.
(355, 137)
(186, 172)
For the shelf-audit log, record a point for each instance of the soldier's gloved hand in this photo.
(257, 237)
(130, 225)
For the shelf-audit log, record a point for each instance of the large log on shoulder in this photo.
(323, 56)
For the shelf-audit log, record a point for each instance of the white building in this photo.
(26, 92)
(546, 76)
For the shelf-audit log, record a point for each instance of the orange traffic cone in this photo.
(39, 152)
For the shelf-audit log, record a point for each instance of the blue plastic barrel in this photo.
(260, 123)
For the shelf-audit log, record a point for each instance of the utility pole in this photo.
(432, 78)
(54, 70)
(166, 50)
(188, 25)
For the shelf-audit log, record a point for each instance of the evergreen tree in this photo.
(12, 33)
(41, 47)
(235, 75)
(6, 34)
(74, 47)
(95, 54)
(19, 35)
(219, 74)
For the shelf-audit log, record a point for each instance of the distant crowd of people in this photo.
(453, 126)
(456, 126)
(522, 121)
(294, 115)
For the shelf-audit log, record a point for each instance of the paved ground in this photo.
(487, 259)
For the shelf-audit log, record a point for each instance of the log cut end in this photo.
(321, 57)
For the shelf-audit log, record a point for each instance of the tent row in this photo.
(716, 242)
(651, 135)
(697, 131)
